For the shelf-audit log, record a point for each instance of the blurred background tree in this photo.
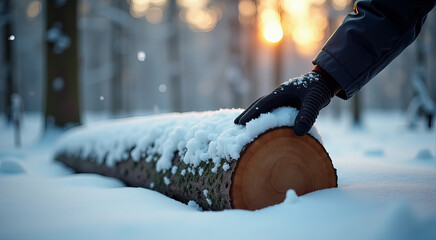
(137, 57)
(61, 86)
(7, 40)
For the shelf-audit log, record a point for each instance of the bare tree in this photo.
(357, 101)
(421, 104)
(174, 56)
(10, 88)
(117, 39)
(278, 56)
(62, 95)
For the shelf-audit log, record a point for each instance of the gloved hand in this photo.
(308, 93)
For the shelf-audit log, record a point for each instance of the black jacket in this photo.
(369, 39)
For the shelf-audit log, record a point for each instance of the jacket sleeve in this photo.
(369, 39)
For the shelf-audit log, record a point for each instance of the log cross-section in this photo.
(276, 162)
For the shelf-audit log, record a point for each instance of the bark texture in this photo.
(184, 185)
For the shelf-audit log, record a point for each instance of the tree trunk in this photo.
(278, 58)
(117, 44)
(174, 57)
(62, 93)
(357, 99)
(8, 41)
(357, 110)
(116, 97)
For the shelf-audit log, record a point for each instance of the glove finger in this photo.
(242, 114)
(315, 100)
(264, 105)
(307, 115)
(303, 123)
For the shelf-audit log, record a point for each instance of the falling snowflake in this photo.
(58, 38)
(162, 88)
(141, 56)
(58, 84)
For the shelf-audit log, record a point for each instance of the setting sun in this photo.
(273, 31)
(302, 21)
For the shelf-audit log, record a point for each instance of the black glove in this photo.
(308, 93)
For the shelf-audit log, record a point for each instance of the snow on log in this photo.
(204, 157)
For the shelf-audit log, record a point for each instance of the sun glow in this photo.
(201, 15)
(273, 31)
(303, 21)
(269, 21)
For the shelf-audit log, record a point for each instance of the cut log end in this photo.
(278, 161)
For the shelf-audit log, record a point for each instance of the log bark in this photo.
(184, 185)
(274, 162)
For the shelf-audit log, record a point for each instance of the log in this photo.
(215, 163)
(278, 161)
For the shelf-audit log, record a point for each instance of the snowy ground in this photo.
(387, 190)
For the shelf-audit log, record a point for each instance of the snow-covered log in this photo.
(204, 157)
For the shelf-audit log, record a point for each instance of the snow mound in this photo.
(400, 222)
(375, 153)
(291, 197)
(11, 166)
(424, 154)
(192, 204)
(91, 180)
(196, 136)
